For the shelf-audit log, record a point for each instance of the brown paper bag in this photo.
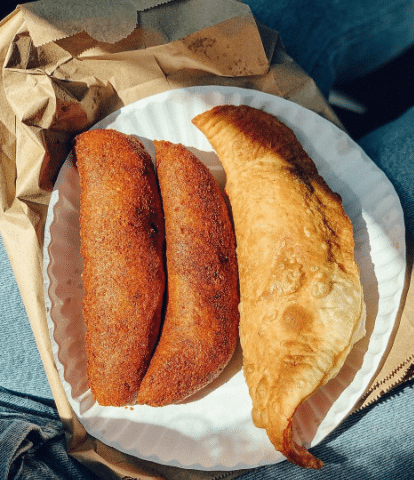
(64, 68)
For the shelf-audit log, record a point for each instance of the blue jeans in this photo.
(330, 40)
(339, 39)
(32, 441)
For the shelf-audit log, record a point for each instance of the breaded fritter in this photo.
(122, 241)
(200, 330)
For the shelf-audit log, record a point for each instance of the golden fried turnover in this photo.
(122, 242)
(200, 329)
(300, 291)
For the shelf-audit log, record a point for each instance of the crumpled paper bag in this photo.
(68, 65)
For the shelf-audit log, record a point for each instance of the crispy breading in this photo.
(200, 330)
(122, 237)
(301, 296)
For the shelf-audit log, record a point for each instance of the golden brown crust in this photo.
(200, 329)
(122, 235)
(301, 297)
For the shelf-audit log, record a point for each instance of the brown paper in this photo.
(67, 66)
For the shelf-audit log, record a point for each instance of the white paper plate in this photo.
(213, 430)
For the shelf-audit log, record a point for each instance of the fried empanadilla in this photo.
(301, 297)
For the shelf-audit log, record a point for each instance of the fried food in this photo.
(301, 297)
(122, 241)
(200, 329)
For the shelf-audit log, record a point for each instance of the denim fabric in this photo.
(391, 147)
(32, 441)
(336, 38)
